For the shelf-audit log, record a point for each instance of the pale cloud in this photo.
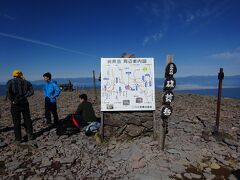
(227, 55)
(158, 12)
(146, 40)
(155, 37)
(6, 16)
(206, 13)
(189, 16)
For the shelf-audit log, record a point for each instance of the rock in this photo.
(35, 177)
(121, 130)
(136, 157)
(230, 142)
(187, 129)
(133, 130)
(208, 170)
(111, 168)
(3, 144)
(67, 160)
(36, 160)
(179, 176)
(209, 176)
(187, 175)
(201, 165)
(60, 178)
(222, 160)
(138, 164)
(12, 166)
(116, 158)
(195, 176)
(148, 124)
(173, 151)
(178, 168)
(46, 162)
(214, 165)
(113, 122)
(232, 177)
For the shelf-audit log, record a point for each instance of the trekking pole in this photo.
(220, 78)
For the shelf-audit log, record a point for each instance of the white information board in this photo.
(127, 84)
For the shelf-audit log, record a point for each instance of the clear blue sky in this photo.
(68, 37)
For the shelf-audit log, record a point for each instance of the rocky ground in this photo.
(192, 151)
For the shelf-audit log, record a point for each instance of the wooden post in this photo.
(169, 59)
(220, 78)
(94, 86)
(163, 127)
(157, 124)
(102, 126)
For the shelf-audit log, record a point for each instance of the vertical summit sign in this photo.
(127, 84)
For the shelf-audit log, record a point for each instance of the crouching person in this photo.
(84, 116)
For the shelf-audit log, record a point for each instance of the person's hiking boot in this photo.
(98, 138)
(30, 136)
(17, 142)
(55, 125)
(48, 122)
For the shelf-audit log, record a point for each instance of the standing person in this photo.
(51, 92)
(18, 89)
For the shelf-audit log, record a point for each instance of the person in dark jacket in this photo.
(18, 89)
(51, 92)
(85, 109)
(83, 116)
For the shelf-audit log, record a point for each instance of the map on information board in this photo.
(127, 84)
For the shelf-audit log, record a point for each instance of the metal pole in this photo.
(220, 78)
(94, 85)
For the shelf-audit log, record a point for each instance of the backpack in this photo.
(92, 128)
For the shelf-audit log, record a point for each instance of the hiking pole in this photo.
(220, 78)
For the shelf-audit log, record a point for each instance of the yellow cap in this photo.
(17, 73)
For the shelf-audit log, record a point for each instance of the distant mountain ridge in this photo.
(190, 83)
(183, 83)
(75, 81)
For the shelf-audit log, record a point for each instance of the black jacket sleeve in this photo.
(30, 90)
(9, 92)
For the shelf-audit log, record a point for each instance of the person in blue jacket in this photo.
(51, 92)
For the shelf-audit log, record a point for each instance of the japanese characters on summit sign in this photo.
(168, 96)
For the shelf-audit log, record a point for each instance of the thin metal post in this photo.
(220, 78)
(94, 86)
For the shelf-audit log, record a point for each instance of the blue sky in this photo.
(68, 37)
